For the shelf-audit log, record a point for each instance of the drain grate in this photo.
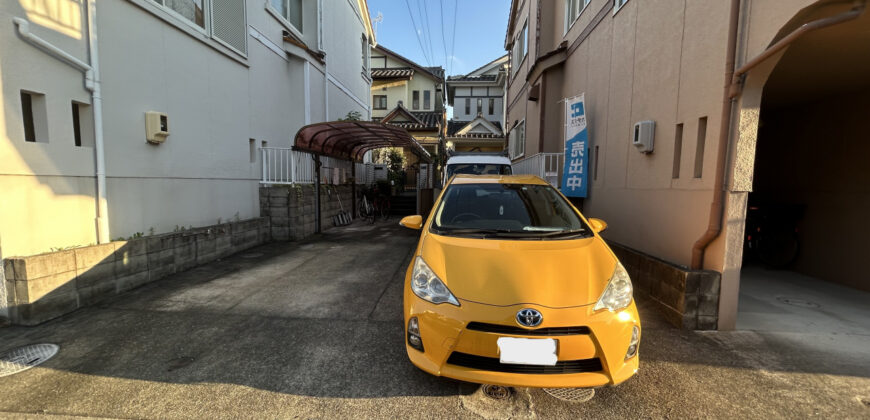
(576, 395)
(496, 392)
(798, 302)
(23, 358)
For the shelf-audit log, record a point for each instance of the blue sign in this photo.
(575, 173)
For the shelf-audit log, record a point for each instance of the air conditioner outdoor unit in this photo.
(644, 135)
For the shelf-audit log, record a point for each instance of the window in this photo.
(491, 106)
(192, 10)
(290, 10)
(520, 47)
(252, 150)
(415, 101)
(427, 100)
(380, 101)
(34, 117)
(83, 124)
(479, 106)
(517, 140)
(573, 8)
(617, 4)
(467, 106)
(699, 150)
(365, 55)
(678, 151)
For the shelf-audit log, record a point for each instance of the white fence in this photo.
(545, 165)
(288, 166)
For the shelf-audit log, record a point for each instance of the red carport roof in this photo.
(351, 139)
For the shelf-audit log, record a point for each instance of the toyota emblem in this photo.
(529, 317)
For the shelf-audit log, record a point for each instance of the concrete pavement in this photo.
(313, 330)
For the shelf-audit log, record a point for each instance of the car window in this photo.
(478, 169)
(520, 211)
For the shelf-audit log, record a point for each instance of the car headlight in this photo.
(428, 286)
(617, 294)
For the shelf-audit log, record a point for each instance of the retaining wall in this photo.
(45, 286)
(291, 212)
(689, 299)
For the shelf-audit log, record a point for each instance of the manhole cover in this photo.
(23, 358)
(797, 302)
(576, 395)
(496, 392)
(252, 255)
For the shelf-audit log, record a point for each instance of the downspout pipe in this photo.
(92, 84)
(734, 79)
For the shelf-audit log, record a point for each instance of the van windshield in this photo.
(478, 169)
(520, 211)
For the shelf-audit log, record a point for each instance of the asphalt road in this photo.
(313, 330)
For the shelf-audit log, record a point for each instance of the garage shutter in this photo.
(228, 23)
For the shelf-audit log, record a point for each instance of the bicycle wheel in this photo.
(384, 209)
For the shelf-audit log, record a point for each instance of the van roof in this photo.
(498, 179)
(498, 160)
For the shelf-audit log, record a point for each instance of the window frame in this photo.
(206, 12)
(618, 5)
(513, 150)
(491, 105)
(415, 100)
(467, 106)
(375, 102)
(571, 20)
(427, 99)
(285, 21)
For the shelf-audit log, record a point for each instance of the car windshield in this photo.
(521, 211)
(478, 169)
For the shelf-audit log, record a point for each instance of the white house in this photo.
(478, 108)
(222, 77)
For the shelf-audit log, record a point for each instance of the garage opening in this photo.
(805, 245)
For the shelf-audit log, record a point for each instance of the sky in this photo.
(479, 25)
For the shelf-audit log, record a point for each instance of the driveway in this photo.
(313, 330)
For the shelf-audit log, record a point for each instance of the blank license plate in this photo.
(527, 351)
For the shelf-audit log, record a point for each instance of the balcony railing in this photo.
(288, 166)
(545, 165)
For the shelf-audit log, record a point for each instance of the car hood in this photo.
(551, 273)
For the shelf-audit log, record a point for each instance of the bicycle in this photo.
(382, 206)
(366, 209)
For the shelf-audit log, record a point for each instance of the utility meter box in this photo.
(156, 127)
(644, 136)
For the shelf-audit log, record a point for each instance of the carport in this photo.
(350, 140)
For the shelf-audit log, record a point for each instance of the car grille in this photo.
(512, 330)
(493, 364)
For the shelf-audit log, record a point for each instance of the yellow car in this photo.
(510, 285)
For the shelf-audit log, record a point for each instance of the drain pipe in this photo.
(733, 89)
(717, 208)
(92, 84)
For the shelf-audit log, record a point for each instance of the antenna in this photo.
(376, 21)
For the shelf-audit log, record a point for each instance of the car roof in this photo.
(497, 179)
(500, 160)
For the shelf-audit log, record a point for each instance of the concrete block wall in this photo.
(291, 209)
(689, 299)
(45, 286)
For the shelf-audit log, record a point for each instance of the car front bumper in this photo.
(591, 354)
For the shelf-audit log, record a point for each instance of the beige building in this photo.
(408, 95)
(756, 103)
(222, 78)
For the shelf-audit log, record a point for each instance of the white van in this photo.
(477, 164)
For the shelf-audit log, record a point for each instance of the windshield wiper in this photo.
(562, 233)
(488, 232)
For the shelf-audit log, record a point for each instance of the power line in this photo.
(424, 26)
(428, 31)
(453, 38)
(417, 34)
(443, 39)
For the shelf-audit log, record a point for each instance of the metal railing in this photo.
(545, 165)
(287, 166)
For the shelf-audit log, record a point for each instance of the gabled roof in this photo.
(498, 62)
(463, 129)
(414, 120)
(481, 78)
(434, 72)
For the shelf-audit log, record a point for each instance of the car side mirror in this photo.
(597, 225)
(412, 222)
